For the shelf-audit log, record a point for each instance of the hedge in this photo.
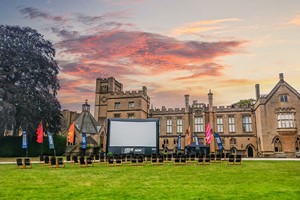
(11, 146)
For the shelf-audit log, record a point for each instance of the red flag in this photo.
(40, 133)
(208, 136)
(71, 133)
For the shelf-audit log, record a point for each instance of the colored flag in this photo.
(179, 142)
(219, 141)
(24, 140)
(83, 143)
(196, 141)
(208, 136)
(50, 139)
(71, 133)
(40, 133)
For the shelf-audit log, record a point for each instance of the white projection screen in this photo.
(132, 136)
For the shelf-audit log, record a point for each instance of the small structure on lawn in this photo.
(85, 123)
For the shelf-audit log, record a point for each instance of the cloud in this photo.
(207, 69)
(201, 26)
(132, 54)
(89, 20)
(34, 13)
(148, 50)
(90, 47)
(64, 33)
(295, 20)
(79, 20)
(91, 71)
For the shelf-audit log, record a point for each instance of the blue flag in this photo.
(83, 143)
(179, 142)
(24, 140)
(219, 141)
(50, 139)
(196, 141)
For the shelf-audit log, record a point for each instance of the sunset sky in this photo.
(174, 47)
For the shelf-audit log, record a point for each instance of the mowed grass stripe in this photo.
(251, 180)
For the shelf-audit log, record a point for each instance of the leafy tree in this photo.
(28, 78)
(7, 119)
(245, 103)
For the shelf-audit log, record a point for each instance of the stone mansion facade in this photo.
(267, 128)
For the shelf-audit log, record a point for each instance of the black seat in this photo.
(68, 158)
(212, 157)
(46, 160)
(238, 159)
(75, 159)
(207, 159)
(89, 162)
(183, 160)
(160, 159)
(218, 157)
(82, 161)
(53, 161)
(20, 162)
(27, 163)
(60, 162)
(231, 159)
(133, 160)
(153, 159)
(176, 158)
(169, 157)
(141, 159)
(201, 159)
(123, 158)
(110, 160)
(148, 157)
(119, 160)
(102, 158)
(192, 157)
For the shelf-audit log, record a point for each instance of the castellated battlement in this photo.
(130, 94)
(167, 110)
(105, 79)
(133, 92)
(230, 108)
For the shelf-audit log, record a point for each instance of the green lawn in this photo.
(251, 180)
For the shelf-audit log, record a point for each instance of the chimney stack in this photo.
(144, 89)
(210, 101)
(281, 78)
(187, 102)
(257, 91)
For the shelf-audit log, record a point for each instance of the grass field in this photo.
(251, 180)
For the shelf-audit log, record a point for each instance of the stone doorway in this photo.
(250, 152)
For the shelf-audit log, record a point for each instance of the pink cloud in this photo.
(148, 50)
(201, 26)
(117, 53)
(97, 46)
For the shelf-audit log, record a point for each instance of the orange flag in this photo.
(188, 136)
(71, 133)
(40, 133)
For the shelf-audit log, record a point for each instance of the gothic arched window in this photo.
(277, 145)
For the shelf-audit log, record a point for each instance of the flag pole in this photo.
(42, 149)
